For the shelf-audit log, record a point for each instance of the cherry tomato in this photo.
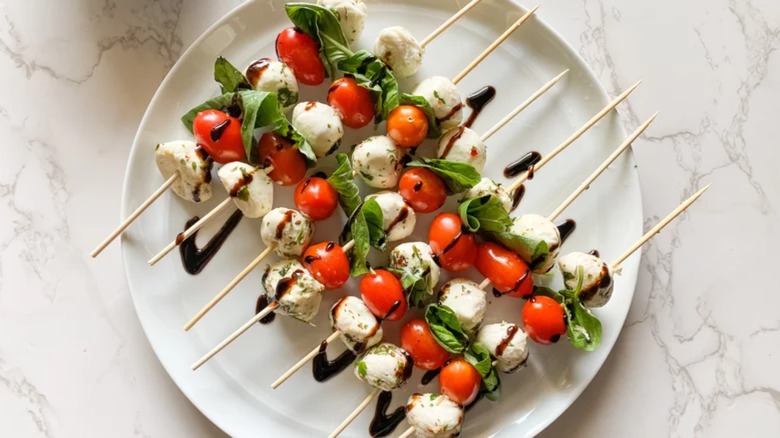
(505, 269)
(422, 189)
(220, 135)
(353, 102)
(302, 54)
(544, 319)
(328, 263)
(455, 248)
(418, 341)
(381, 291)
(316, 197)
(288, 162)
(460, 381)
(407, 125)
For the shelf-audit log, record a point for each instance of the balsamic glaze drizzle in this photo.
(195, 259)
(524, 164)
(323, 369)
(566, 228)
(384, 424)
(477, 102)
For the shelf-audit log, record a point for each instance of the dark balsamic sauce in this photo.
(384, 424)
(594, 253)
(286, 284)
(195, 259)
(455, 137)
(219, 129)
(477, 102)
(517, 197)
(497, 293)
(451, 114)
(566, 228)
(418, 186)
(452, 243)
(524, 164)
(245, 180)
(262, 302)
(429, 375)
(288, 216)
(323, 369)
(402, 215)
(506, 340)
(256, 69)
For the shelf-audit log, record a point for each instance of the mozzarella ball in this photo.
(249, 187)
(288, 230)
(319, 125)
(351, 15)
(597, 284)
(416, 258)
(507, 343)
(191, 163)
(463, 145)
(434, 416)
(384, 366)
(377, 161)
(444, 99)
(399, 218)
(358, 328)
(275, 77)
(466, 300)
(538, 228)
(293, 288)
(399, 49)
(486, 186)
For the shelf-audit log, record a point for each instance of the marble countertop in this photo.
(698, 354)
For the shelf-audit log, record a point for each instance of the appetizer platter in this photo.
(382, 219)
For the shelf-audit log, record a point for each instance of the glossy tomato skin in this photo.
(407, 125)
(328, 263)
(509, 274)
(301, 53)
(220, 135)
(381, 290)
(288, 162)
(460, 381)
(418, 341)
(353, 103)
(316, 197)
(544, 319)
(455, 248)
(422, 189)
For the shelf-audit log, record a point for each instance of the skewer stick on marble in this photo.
(458, 15)
(360, 408)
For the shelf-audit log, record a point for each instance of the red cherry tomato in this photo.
(418, 341)
(220, 135)
(460, 381)
(455, 248)
(544, 319)
(422, 189)
(407, 125)
(328, 263)
(505, 269)
(354, 103)
(302, 54)
(288, 162)
(381, 291)
(316, 197)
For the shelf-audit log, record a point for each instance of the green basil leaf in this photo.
(446, 328)
(479, 356)
(375, 221)
(434, 130)
(525, 246)
(229, 77)
(321, 24)
(582, 328)
(284, 128)
(356, 229)
(344, 182)
(371, 73)
(458, 177)
(484, 214)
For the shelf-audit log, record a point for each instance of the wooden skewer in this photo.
(657, 229)
(485, 283)
(585, 184)
(517, 183)
(449, 23)
(494, 45)
(522, 106)
(130, 219)
(255, 319)
(303, 361)
(409, 432)
(362, 406)
(233, 283)
(191, 230)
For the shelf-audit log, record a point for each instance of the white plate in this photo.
(233, 389)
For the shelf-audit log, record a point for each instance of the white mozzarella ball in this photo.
(351, 15)
(597, 282)
(275, 77)
(358, 328)
(384, 366)
(297, 293)
(417, 259)
(486, 186)
(249, 187)
(538, 228)
(399, 218)
(288, 230)
(399, 49)
(507, 343)
(434, 416)
(463, 145)
(466, 300)
(319, 124)
(377, 160)
(191, 163)
(444, 99)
